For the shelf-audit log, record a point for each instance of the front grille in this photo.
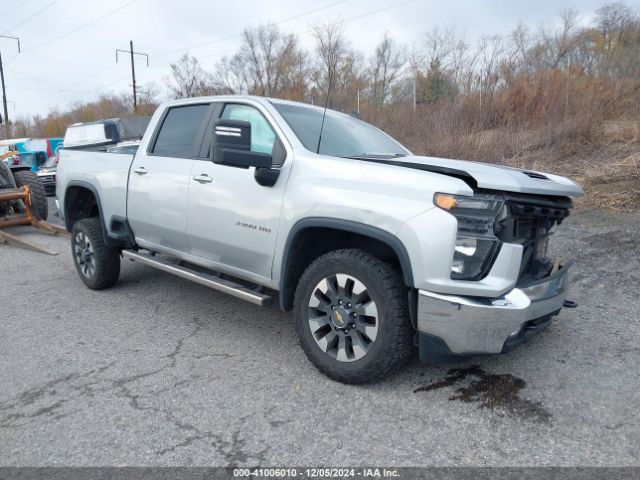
(48, 182)
(529, 222)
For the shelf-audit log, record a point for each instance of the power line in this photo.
(95, 74)
(69, 87)
(222, 39)
(49, 89)
(20, 4)
(395, 5)
(71, 32)
(357, 17)
(34, 15)
(219, 53)
(32, 77)
(132, 54)
(112, 83)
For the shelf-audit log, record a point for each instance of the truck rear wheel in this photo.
(6, 177)
(39, 205)
(6, 181)
(97, 264)
(352, 316)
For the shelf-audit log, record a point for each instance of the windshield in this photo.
(51, 162)
(342, 135)
(26, 159)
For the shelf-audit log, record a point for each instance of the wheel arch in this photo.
(87, 201)
(81, 200)
(299, 252)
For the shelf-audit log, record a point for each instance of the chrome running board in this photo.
(211, 281)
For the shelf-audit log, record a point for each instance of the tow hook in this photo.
(569, 304)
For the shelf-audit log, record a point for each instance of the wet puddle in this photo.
(488, 390)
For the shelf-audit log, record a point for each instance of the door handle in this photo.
(204, 178)
(140, 171)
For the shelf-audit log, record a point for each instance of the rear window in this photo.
(179, 131)
(85, 135)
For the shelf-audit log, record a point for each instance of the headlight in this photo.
(471, 257)
(476, 243)
(461, 202)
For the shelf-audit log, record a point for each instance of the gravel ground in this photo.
(161, 371)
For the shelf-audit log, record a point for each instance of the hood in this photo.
(494, 177)
(47, 171)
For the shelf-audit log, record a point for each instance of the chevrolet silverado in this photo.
(376, 251)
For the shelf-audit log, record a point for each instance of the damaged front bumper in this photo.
(452, 328)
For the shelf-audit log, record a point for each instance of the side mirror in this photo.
(232, 146)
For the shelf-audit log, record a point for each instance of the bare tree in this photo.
(447, 52)
(189, 79)
(274, 64)
(148, 98)
(269, 63)
(384, 68)
(554, 48)
(231, 75)
(331, 49)
(336, 64)
(564, 42)
(490, 59)
(618, 40)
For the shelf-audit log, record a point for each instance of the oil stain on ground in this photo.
(488, 390)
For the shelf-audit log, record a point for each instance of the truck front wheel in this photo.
(97, 264)
(352, 316)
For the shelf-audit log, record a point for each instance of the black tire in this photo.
(393, 345)
(7, 176)
(97, 264)
(6, 181)
(39, 205)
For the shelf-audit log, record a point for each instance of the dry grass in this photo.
(622, 195)
(559, 122)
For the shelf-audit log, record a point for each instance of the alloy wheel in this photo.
(343, 317)
(85, 256)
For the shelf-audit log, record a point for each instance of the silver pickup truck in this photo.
(375, 250)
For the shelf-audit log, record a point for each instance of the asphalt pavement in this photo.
(160, 371)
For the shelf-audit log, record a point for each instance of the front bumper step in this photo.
(457, 327)
(434, 350)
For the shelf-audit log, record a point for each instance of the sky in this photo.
(68, 47)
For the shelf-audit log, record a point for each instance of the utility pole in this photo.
(4, 102)
(4, 92)
(131, 52)
(133, 76)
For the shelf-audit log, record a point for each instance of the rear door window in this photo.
(180, 130)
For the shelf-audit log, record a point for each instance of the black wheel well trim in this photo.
(349, 226)
(108, 240)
